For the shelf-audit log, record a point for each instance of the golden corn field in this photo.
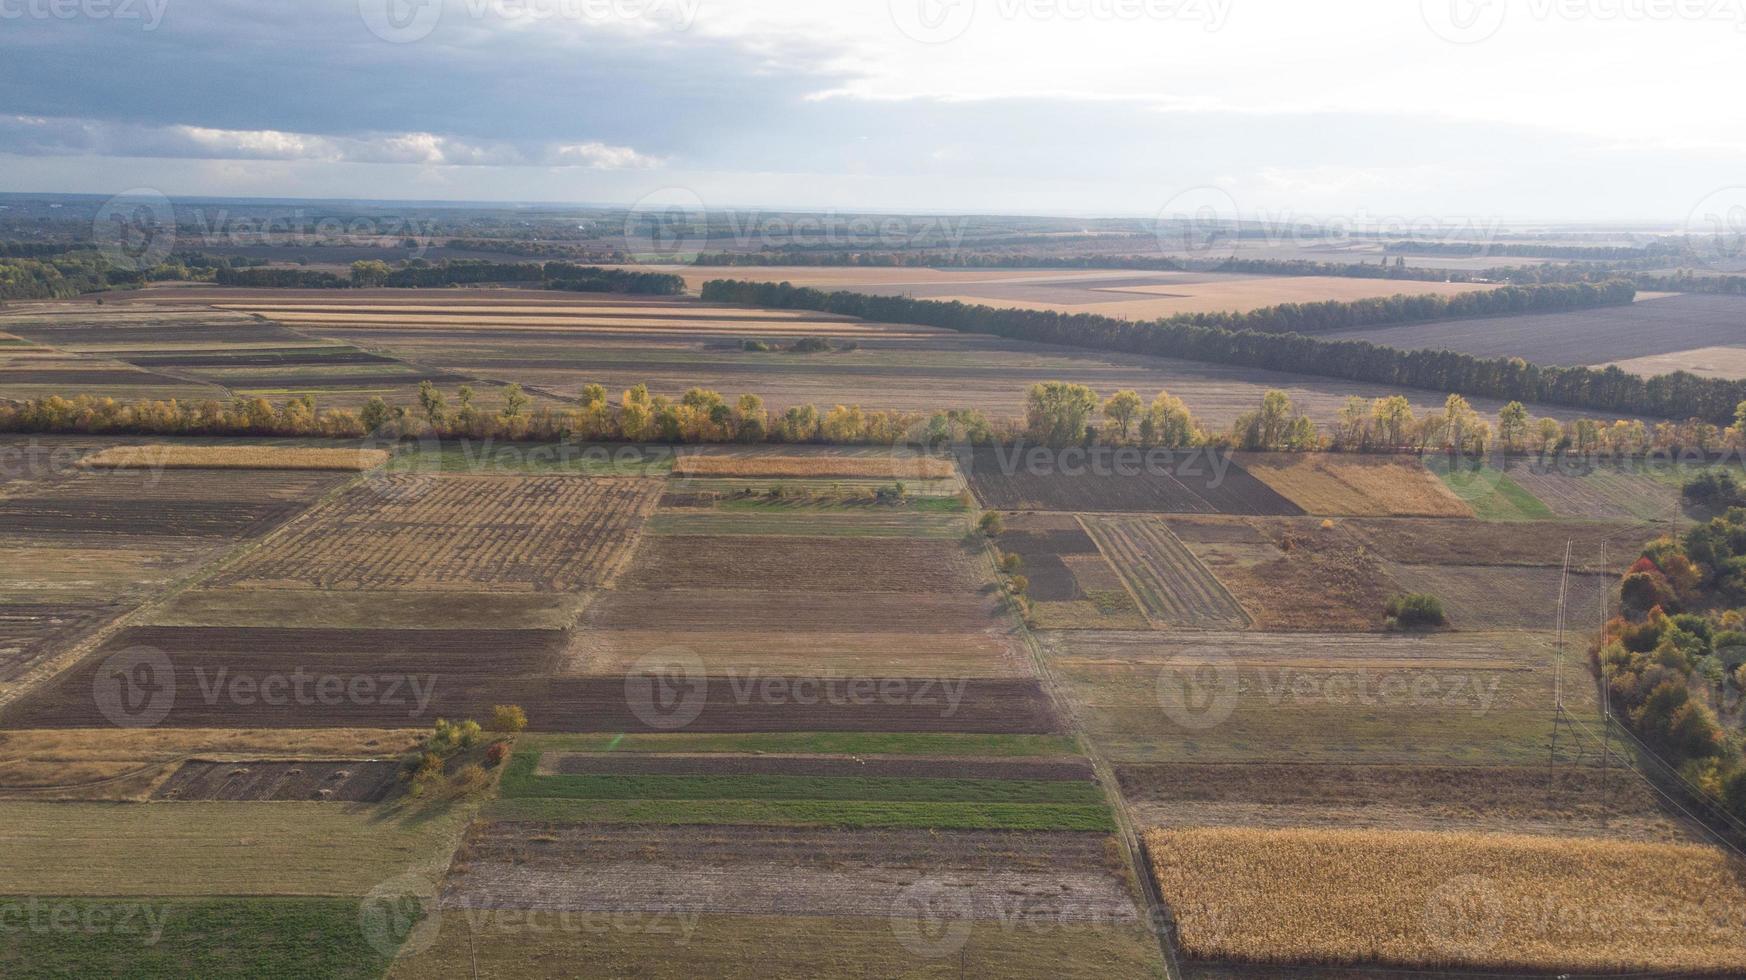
(235, 458)
(847, 467)
(1490, 901)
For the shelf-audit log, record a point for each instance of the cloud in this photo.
(39, 136)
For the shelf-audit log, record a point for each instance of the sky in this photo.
(1378, 112)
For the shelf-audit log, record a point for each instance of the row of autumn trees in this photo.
(1057, 413)
(1234, 339)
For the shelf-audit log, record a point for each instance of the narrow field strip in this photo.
(520, 782)
(810, 813)
(819, 743)
(154, 457)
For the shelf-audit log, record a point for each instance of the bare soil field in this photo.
(788, 872)
(342, 781)
(789, 564)
(1447, 699)
(1103, 479)
(1291, 574)
(1568, 801)
(1451, 899)
(1376, 486)
(1479, 597)
(172, 503)
(464, 533)
(127, 764)
(306, 609)
(1593, 337)
(1538, 543)
(1172, 585)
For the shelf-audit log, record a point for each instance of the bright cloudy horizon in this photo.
(1450, 110)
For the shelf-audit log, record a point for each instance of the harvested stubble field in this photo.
(1478, 597)
(216, 848)
(766, 947)
(1071, 585)
(861, 633)
(1594, 547)
(1291, 574)
(340, 781)
(305, 609)
(128, 764)
(824, 521)
(1433, 900)
(1350, 485)
(1613, 333)
(1568, 801)
(817, 467)
(1172, 585)
(1446, 699)
(186, 456)
(1604, 492)
(1705, 362)
(462, 533)
(1105, 479)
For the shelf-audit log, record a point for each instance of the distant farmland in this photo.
(1661, 326)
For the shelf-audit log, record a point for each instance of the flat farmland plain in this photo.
(1118, 293)
(555, 344)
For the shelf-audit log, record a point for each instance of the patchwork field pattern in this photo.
(434, 533)
(1450, 900)
(1073, 480)
(1604, 492)
(1069, 584)
(1375, 486)
(1172, 585)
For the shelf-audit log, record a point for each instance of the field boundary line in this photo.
(1158, 918)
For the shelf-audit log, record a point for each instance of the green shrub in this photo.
(1417, 611)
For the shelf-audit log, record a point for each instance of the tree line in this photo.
(1201, 338)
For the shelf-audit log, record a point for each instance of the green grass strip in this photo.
(151, 938)
(1492, 495)
(811, 813)
(814, 743)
